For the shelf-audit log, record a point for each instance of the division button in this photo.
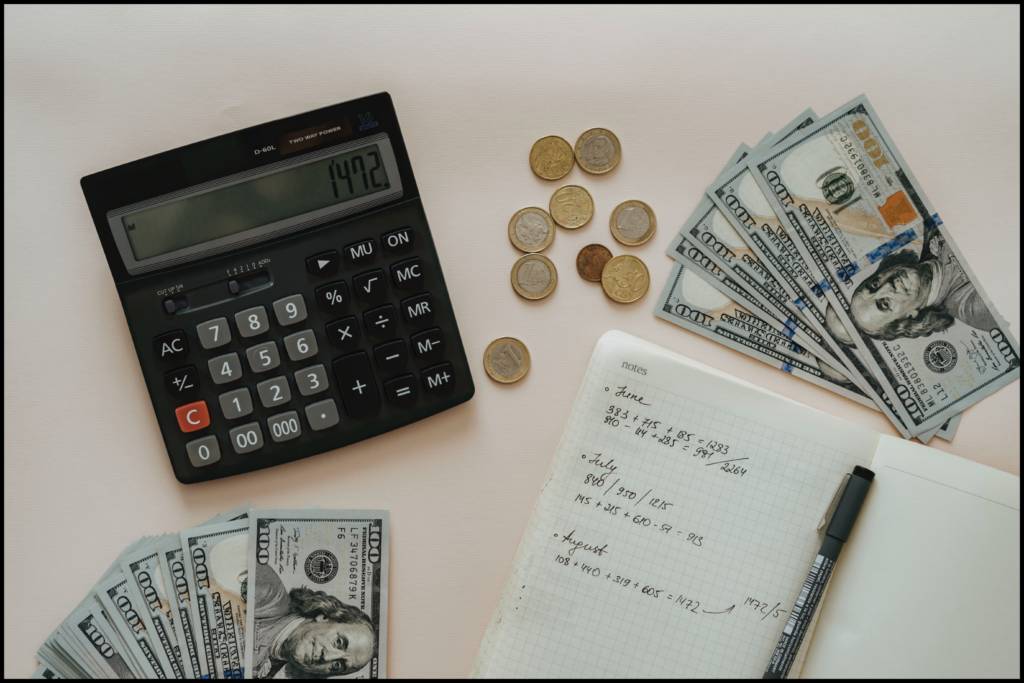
(356, 384)
(381, 322)
(324, 263)
(401, 391)
(203, 452)
(322, 415)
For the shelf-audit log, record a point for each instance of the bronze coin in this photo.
(590, 261)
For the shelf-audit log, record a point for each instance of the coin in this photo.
(506, 360)
(625, 279)
(571, 206)
(534, 276)
(531, 230)
(598, 150)
(590, 261)
(551, 157)
(633, 223)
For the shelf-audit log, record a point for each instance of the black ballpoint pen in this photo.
(836, 533)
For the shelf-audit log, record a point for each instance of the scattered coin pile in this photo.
(624, 278)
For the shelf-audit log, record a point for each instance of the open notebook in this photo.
(680, 518)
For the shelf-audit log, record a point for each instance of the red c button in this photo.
(193, 416)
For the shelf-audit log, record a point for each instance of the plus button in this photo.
(358, 386)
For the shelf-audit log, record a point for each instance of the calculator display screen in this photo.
(228, 212)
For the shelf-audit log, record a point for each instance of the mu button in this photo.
(193, 416)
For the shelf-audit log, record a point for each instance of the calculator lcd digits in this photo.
(282, 289)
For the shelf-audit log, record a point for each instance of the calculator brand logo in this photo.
(321, 566)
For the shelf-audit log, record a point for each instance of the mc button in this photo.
(408, 274)
(193, 416)
(171, 346)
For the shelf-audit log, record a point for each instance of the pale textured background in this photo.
(89, 88)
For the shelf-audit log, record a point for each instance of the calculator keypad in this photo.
(283, 374)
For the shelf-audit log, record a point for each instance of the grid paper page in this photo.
(676, 527)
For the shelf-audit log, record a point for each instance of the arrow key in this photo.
(324, 263)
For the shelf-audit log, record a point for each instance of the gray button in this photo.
(290, 310)
(203, 452)
(226, 368)
(247, 438)
(252, 321)
(301, 345)
(311, 380)
(213, 333)
(263, 357)
(236, 404)
(322, 415)
(284, 427)
(274, 392)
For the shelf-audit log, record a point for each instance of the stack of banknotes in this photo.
(818, 252)
(248, 594)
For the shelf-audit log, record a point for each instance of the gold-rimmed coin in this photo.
(571, 206)
(633, 223)
(506, 360)
(551, 157)
(531, 230)
(625, 279)
(590, 261)
(597, 150)
(534, 276)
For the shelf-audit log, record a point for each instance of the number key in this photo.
(235, 404)
(226, 368)
(290, 310)
(252, 322)
(247, 438)
(263, 357)
(213, 333)
(274, 392)
(284, 427)
(312, 380)
(301, 345)
(204, 451)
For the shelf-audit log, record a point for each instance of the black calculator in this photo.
(282, 289)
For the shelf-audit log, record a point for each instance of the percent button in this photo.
(333, 296)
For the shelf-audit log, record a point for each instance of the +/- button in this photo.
(183, 381)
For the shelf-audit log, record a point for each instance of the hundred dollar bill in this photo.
(694, 304)
(143, 568)
(896, 287)
(215, 574)
(131, 619)
(93, 631)
(317, 594)
(173, 568)
(44, 671)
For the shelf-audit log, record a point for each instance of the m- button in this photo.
(193, 416)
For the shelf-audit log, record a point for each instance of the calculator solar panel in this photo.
(282, 289)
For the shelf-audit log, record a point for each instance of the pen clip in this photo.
(830, 510)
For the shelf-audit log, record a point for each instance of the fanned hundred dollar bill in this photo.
(895, 286)
(317, 594)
